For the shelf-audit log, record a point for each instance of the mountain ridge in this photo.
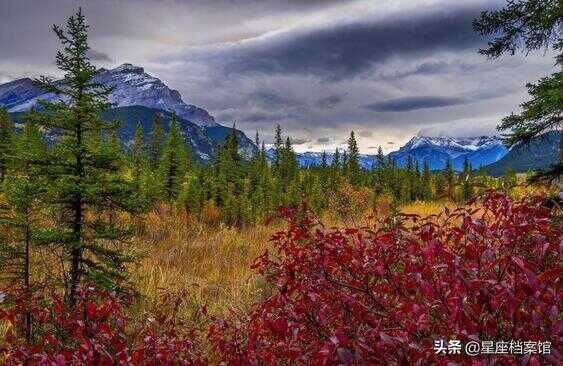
(131, 86)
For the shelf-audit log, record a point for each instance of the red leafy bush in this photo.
(94, 332)
(489, 271)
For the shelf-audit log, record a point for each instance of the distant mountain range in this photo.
(437, 151)
(312, 158)
(138, 97)
(542, 152)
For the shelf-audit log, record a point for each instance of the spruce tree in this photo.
(83, 185)
(336, 161)
(23, 194)
(173, 163)
(426, 182)
(449, 176)
(156, 142)
(278, 148)
(6, 139)
(138, 153)
(353, 165)
(380, 157)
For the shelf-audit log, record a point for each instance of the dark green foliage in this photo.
(6, 137)
(156, 142)
(23, 192)
(527, 24)
(353, 165)
(449, 176)
(530, 25)
(466, 181)
(173, 163)
(138, 153)
(84, 186)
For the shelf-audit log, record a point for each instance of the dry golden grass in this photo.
(424, 209)
(211, 263)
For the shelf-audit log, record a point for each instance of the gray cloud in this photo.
(365, 133)
(310, 66)
(330, 102)
(98, 56)
(300, 141)
(347, 50)
(414, 103)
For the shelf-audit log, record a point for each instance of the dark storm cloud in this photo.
(98, 56)
(273, 98)
(330, 102)
(347, 50)
(300, 141)
(310, 65)
(414, 103)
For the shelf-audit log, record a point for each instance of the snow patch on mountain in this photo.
(437, 151)
(132, 86)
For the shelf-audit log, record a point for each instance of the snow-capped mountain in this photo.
(132, 86)
(314, 158)
(138, 98)
(436, 151)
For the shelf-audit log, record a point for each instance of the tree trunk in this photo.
(76, 251)
(27, 283)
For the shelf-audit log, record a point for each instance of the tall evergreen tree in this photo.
(173, 163)
(380, 157)
(278, 148)
(83, 177)
(156, 142)
(353, 166)
(426, 182)
(449, 176)
(6, 139)
(138, 153)
(336, 160)
(22, 192)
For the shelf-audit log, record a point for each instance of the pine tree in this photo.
(138, 153)
(6, 138)
(82, 178)
(232, 186)
(449, 176)
(336, 160)
(278, 148)
(173, 163)
(466, 181)
(23, 191)
(426, 182)
(156, 142)
(380, 157)
(353, 166)
(324, 163)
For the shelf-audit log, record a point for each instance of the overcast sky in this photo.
(387, 69)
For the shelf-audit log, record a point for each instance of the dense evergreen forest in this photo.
(238, 192)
